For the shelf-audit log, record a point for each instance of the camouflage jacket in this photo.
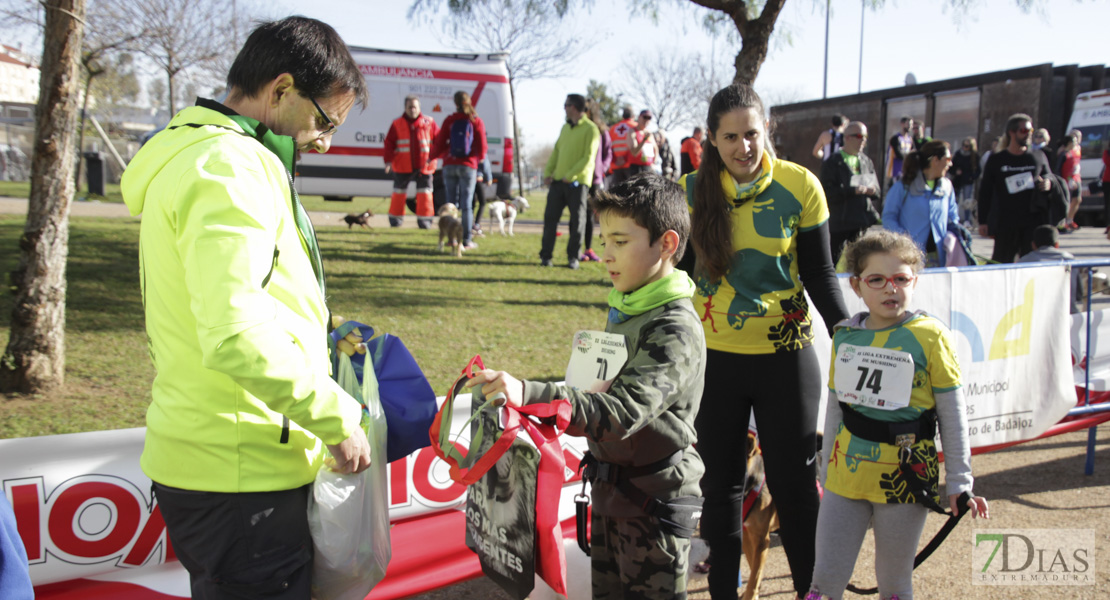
(648, 412)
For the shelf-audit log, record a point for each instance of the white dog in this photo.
(506, 211)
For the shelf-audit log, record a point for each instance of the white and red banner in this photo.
(84, 510)
(86, 516)
(1012, 329)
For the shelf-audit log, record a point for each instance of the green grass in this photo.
(22, 189)
(494, 301)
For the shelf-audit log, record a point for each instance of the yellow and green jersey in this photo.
(759, 306)
(866, 470)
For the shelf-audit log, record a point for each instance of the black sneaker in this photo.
(546, 262)
(573, 264)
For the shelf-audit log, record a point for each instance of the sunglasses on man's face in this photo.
(329, 125)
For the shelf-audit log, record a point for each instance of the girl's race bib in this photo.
(877, 377)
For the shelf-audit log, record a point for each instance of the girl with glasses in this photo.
(889, 365)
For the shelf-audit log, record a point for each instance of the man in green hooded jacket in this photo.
(244, 410)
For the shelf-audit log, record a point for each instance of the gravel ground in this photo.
(1037, 485)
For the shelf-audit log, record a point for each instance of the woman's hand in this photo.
(510, 389)
(977, 504)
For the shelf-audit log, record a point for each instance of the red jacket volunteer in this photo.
(408, 144)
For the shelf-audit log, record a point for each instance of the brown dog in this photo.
(450, 228)
(361, 219)
(760, 519)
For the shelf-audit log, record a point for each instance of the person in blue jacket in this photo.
(15, 578)
(922, 204)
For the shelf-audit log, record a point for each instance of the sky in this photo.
(902, 37)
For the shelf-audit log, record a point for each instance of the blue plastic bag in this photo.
(407, 398)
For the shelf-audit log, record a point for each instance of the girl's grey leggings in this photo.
(841, 525)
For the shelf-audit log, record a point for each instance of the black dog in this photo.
(362, 219)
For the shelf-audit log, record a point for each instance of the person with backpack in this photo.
(461, 142)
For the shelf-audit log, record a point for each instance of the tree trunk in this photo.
(518, 148)
(756, 35)
(34, 360)
(81, 130)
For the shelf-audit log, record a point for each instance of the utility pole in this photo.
(825, 85)
(862, 12)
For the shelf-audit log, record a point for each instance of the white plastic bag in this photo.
(348, 515)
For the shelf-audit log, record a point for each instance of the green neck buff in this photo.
(653, 295)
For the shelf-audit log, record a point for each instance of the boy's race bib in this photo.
(877, 377)
(1019, 182)
(596, 358)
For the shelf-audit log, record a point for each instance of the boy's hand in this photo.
(977, 504)
(510, 388)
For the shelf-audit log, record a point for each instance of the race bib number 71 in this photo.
(877, 377)
(596, 359)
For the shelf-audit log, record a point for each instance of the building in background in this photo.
(952, 109)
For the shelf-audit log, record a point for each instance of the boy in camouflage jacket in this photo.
(647, 414)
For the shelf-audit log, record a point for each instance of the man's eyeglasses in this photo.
(1024, 130)
(878, 282)
(858, 136)
(329, 125)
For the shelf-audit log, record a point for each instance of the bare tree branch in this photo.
(183, 34)
(665, 84)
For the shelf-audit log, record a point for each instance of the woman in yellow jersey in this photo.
(759, 233)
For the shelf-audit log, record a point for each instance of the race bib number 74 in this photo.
(877, 377)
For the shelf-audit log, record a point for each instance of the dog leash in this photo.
(953, 519)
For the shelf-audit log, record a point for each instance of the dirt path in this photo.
(18, 206)
(1037, 485)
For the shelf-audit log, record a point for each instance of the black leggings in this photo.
(784, 391)
(479, 204)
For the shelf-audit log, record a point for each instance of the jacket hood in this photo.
(195, 125)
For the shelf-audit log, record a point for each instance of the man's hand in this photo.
(510, 388)
(547, 181)
(388, 169)
(1043, 184)
(352, 455)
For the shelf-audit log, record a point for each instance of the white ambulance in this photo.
(1091, 115)
(354, 165)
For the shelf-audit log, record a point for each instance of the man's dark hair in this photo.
(578, 101)
(626, 112)
(905, 118)
(1015, 121)
(839, 120)
(309, 50)
(698, 130)
(654, 203)
(1045, 236)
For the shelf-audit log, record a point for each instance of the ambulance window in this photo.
(1094, 137)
